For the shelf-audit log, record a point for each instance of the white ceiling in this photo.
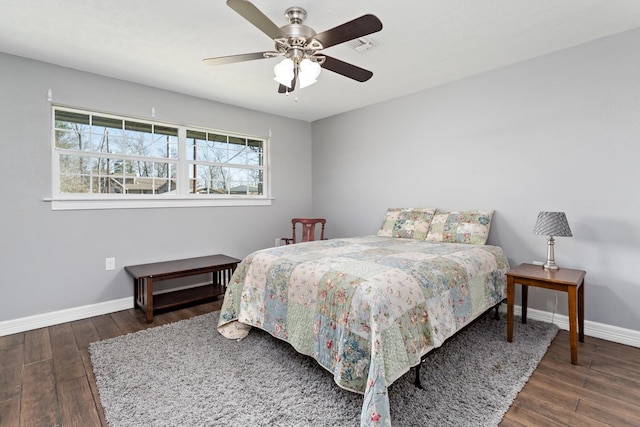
(424, 43)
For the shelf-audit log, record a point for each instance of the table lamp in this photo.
(552, 224)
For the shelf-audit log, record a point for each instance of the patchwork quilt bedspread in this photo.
(366, 308)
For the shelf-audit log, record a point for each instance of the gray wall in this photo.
(556, 133)
(54, 260)
(559, 132)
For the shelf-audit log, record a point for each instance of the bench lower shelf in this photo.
(196, 295)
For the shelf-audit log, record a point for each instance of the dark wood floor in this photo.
(46, 377)
(603, 389)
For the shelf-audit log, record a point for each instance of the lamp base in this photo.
(551, 262)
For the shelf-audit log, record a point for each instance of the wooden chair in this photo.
(308, 232)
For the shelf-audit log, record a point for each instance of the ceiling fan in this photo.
(300, 46)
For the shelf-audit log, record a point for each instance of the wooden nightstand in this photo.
(565, 280)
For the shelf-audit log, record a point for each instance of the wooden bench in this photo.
(145, 275)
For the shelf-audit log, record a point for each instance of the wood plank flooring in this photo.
(46, 377)
(603, 389)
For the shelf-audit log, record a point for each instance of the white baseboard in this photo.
(29, 323)
(592, 329)
(8, 327)
(69, 315)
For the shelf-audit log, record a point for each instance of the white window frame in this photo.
(181, 198)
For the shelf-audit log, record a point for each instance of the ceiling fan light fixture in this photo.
(309, 72)
(284, 72)
(300, 45)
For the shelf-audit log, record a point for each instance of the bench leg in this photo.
(149, 289)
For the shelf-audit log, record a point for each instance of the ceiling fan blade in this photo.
(220, 60)
(358, 27)
(252, 14)
(346, 69)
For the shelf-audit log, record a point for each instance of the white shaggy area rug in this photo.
(187, 374)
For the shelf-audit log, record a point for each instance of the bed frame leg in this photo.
(497, 306)
(417, 382)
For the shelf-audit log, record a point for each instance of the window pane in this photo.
(107, 166)
(194, 134)
(99, 122)
(237, 141)
(214, 149)
(165, 142)
(64, 118)
(203, 186)
(106, 135)
(237, 154)
(164, 170)
(220, 139)
(74, 137)
(138, 138)
(218, 186)
(72, 130)
(254, 153)
(108, 185)
(140, 168)
(165, 130)
(218, 149)
(106, 143)
(194, 139)
(244, 181)
(74, 165)
(74, 183)
(208, 179)
(65, 139)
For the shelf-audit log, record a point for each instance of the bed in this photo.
(368, 308)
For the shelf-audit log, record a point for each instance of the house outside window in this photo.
(101, 157)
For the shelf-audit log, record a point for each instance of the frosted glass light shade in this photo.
(284, 72)
(309, 72)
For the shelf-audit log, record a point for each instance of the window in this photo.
(100, 157)
(224, 164)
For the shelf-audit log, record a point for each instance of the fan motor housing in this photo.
(298, 34)
(298, 31)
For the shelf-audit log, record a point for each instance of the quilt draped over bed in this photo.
(365, 308)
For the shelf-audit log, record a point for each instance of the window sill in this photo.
(62, 204)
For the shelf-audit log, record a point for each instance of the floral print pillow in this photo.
(408, 223)
(470, 227)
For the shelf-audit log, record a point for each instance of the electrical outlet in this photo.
(110, 263)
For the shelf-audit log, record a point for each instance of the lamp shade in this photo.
(552, 224)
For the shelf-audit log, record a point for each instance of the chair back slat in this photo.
(308, 229)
